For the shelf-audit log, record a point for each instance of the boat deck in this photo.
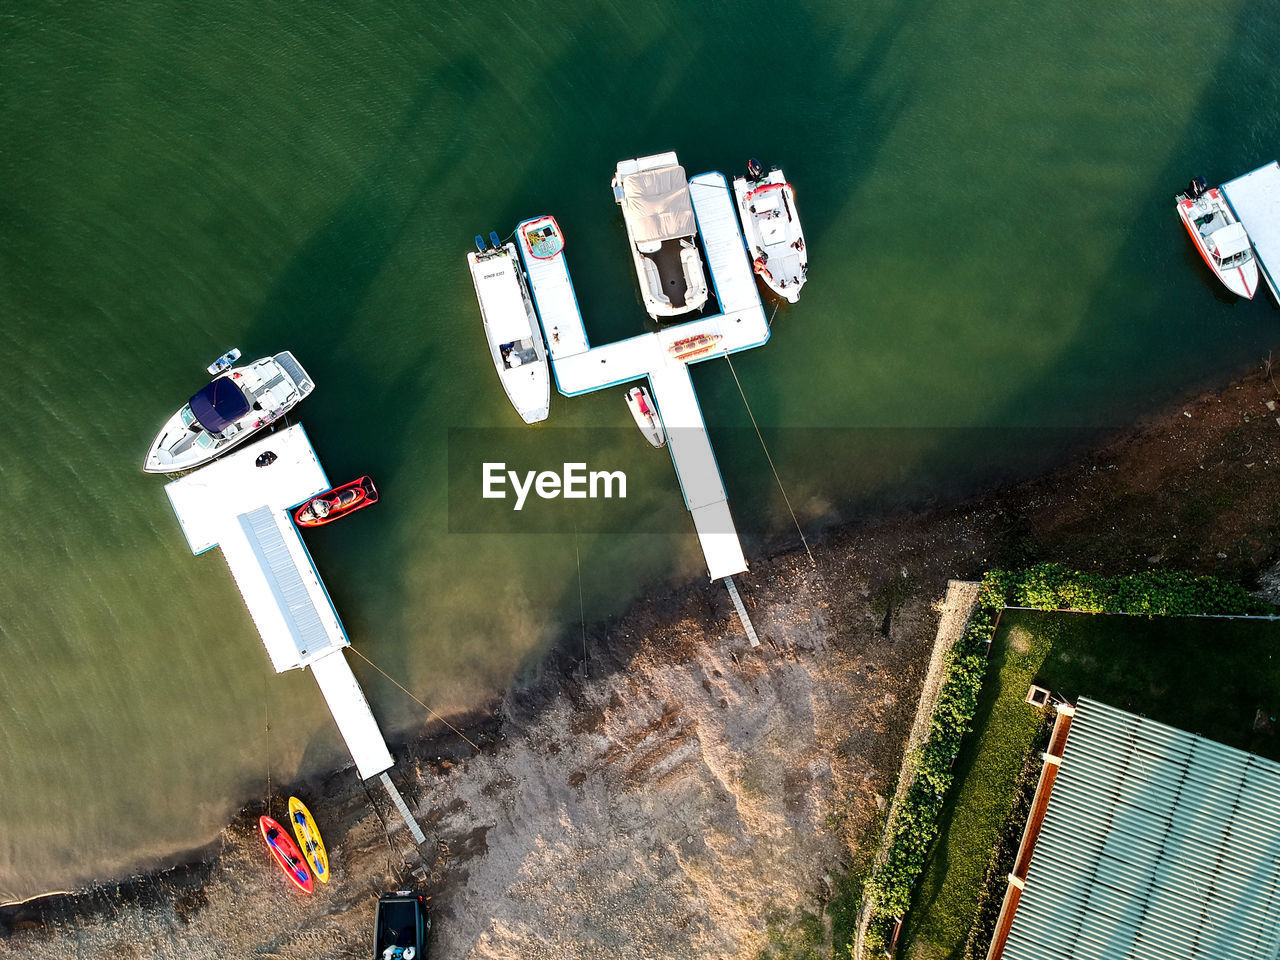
(245, 510)
(581, 368)
(1255, 200)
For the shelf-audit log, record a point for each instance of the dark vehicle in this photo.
(402, 924)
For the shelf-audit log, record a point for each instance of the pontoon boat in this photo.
(658, 210)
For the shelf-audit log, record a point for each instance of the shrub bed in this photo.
(1047, 587)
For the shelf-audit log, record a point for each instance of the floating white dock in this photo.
(245, 509)
(1255, 199)
(581, 368)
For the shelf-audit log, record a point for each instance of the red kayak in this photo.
(338, 502)
(287, 854)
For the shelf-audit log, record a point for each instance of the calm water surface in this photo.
(987, 195)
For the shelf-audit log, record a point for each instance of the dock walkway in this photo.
(581, 368)
(245, 509)
(1255, 199)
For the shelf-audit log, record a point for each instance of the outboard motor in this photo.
(754, 171)
(479, 243)
(1197, 187)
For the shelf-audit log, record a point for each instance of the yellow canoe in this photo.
(309, 841)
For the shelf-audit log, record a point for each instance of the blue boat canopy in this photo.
(220, 404)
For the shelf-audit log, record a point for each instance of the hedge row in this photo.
(1046, 587)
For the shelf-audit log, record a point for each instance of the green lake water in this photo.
(996, 269)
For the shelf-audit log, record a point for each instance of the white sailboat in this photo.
(511, 327)
(663, 234)
(646, 415)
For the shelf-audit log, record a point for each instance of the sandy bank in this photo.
(678, 791)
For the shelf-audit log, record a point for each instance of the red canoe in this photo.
(287, 854)
(338, 502)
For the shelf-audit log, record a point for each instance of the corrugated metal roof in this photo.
(1156, 844)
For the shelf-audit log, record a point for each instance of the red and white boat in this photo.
(767, 209)
(1219, 236)
(338, 502)
(646, 416)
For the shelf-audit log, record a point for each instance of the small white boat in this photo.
(511, 327)
(543, 238)
(646, 415)
(767, 209)
(663, 234)
(228, 411)
(1219, 236)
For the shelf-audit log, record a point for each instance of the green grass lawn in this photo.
(1207, 676)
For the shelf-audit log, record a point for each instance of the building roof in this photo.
(1155, 843)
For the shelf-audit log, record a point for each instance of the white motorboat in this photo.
(663, 233)
(511, 327)
(1219, 236)
(228, 411)
(767, 208)
(646, 415)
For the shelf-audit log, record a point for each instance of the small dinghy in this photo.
(543, 238)
(286, 854)
(309, 839)
(1219, 236)
(646, 415)
(690, 348)
(767, 209)
(335, 503)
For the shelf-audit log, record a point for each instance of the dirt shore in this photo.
(679, 793)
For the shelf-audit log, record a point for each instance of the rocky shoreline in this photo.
(678, 792)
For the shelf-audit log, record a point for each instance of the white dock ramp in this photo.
(245, 509)
(1255, 198)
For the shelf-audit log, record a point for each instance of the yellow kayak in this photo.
(308, 834)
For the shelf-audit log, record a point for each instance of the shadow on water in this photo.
(322, 291)
(830, 87)
(1219, 343)
(331, 278)
(1104, 368)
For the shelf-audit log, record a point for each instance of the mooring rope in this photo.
(266, 733)
(582, 616)
(437, 716)
(765, 448)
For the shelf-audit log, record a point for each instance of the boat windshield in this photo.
(1234, 260)
(220, 404)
